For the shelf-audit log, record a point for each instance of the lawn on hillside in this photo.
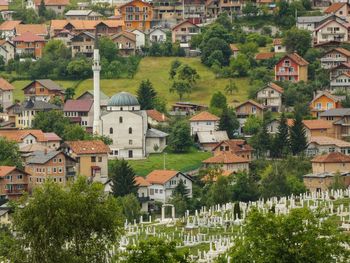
(183, 162)
(156, 69)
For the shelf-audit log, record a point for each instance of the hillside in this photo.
(156, 69)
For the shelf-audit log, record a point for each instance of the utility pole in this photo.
(164, 161)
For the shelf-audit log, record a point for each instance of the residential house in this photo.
(89, 95)
(317, 128)
(163, 183)
(7, 50)
(207, 140)
(204, 121)
(54, 165)
(156, 118)
(57, 6)
(6, 94)
(65, 36)
(341, 83)
(82, 15)
(83, 43)
(272, 126)
(325, 168)
(227, 161)
(4, 5)
(341, 119)
(157, 35)
(136, 14)
(194, 10)
(325, 144)
(335, 57)
(278, 46)
(246, 109)
(43, 90)
(324, 101)
(310, 23)
(183, 33)
(126, 42)
(37, 29)
(75, 26)
(331, 30)
(27, 137)
(140, 38)
(264, 56)
(80, 112)
(188, 108)
(8, 29)
(271, 97)
(291, 67)
(231, 7)
(25, 112)
(167, 12)
(234, 50)
(336, 71)
(29, 43)
(155, 140)
(91, 157)
(13, 182)
(340, 9)
(238, 147)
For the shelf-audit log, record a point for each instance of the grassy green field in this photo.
(181, 162)
(157, 71)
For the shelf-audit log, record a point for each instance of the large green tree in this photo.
(146, 95)
(298, 40)
(51, 121)
(9, 153)
(108, 49)
(298, 140)
(181, 88)
(228, 122)
(131, 207)
(281, 145)
(300, 236)
(122, 177)
(180, 137)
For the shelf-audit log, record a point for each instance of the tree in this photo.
(240, 65)
(76, 224)
(213, 44)
(252, 125)
(181, 189)
(270, 237)
(186, 73)
(9, 154)
(56, 49)
(338, 182)
(298, 140)
(79, 68)
(281, 141)
(180, 137)
(298, 40)
(75, 132)
(174, 66)
(108, 49)
(123, 178)
(218, 101)
(250, 9)
(131, 207)
(273, 182)
(231, 87)
(261, 142)
(181, 88)
(69, 94)
(228, 122)
(245, 188)
(155, 250)
(146, 95)
(219, 192)
(51, 121)
(42, 8)
(224, 20)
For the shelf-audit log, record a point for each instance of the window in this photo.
(111, 130)
(131, 154)
(130, 130)
(130, 142)
(100, 159)
(55, 160)
(54, 169)
(151, 191)
(59, 160)
(329, 105)
(60, 170)
(318, 106)
(156, 191)
(120, 119)
(115, 152)
(19, 177)
(160, 191)
(93, 159)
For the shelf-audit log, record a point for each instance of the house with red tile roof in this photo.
(126, 42)
(13, 182)
(336, 71)
(143, 192)
(238, 147)
(80, 112)
(271, 97)
(29, 43)
(324, 101)
(325, 168)
(7, 50)
(6, 93)
(57, 6)
(264, 56)
(335, 57)
(183, 33)
(341, 9)
(331, 30)
(91, 156)
(291, 67)
(204, 121)
(228, 162)
(246, 109)
(43, 90)
(155, 118)
(163, 183)
(8, 28)
(316, 128)
(325, 144)
(278, 46)
(36, 29)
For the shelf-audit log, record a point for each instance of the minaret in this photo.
(96, 68)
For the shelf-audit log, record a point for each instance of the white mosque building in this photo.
(125, 123)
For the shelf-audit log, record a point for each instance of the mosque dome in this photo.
(123, 99)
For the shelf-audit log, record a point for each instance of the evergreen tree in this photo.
(218, 100)
(146, 95)
(298, 140)
(281, 141)
(180, 137)
(228, 122)
(42, 8)
(123, 178)
(181, 189)
(262, 141)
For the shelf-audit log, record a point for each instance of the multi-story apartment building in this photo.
(80, 112)
(29, 43)
(331, 30)
(13, 182)
(335, 57)
(83, 43)
(136, 14)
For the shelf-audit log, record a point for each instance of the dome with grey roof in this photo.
(123, 99)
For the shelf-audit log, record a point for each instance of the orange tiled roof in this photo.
(140, 181)
(9, 25)
(334, 157)
(313, 124)
(88, 147)
(157, 116)
(251, 102)
(264, 55)
(18, 135)
(126, 34)
(5, 170)
(325, 140)
(341, 50)
(5, 85)
(334, 8)
(226, 158)
(28, 37)
(233, 47)
(36, 29)
(277, 41)
(236, 145)
(296, 58)
(84, 24)
(205, 116)
(160, 176)
(276, 87)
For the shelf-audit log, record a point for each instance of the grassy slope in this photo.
(172, 161)
(157, 71)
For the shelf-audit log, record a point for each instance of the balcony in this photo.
(286, 73)
(70, 173)
(143, 199)
(331, 59)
